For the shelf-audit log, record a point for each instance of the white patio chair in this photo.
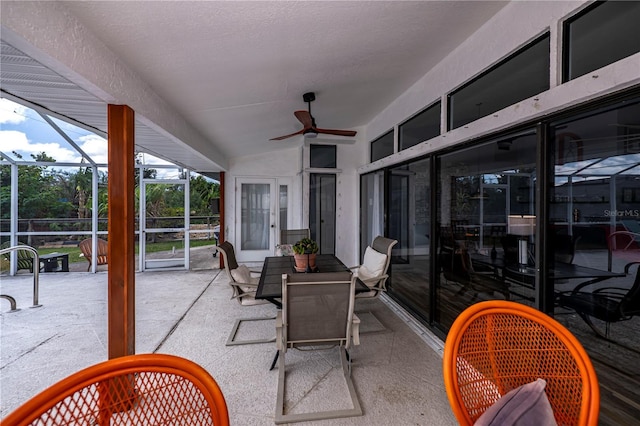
(244, 287)
(317, 310)
(373, 271)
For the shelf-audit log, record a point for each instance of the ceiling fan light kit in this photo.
(309, 129)
(310, 134)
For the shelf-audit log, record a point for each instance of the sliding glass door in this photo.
(409, 222)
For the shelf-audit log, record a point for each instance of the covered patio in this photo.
(397, 373)
(442, 144)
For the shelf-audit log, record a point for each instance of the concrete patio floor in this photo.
(397, 373)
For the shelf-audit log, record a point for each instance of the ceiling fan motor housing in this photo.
(309, 122)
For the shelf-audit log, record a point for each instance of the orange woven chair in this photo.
(496, 346)
(103, 251)
(145, 389)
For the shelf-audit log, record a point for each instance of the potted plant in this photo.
(304, 252)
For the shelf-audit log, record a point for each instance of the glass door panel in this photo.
(372, 208)
(163, 226)
(256, 203)
(322, 211)
(409, 223)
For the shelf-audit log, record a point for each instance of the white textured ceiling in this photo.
(237, 70)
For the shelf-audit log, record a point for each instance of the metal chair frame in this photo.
(229, 260)
(308, 289)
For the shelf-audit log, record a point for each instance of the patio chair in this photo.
(625, 245)
(564, 247)
(244, 287)
(288, 237)
(633, 226)
(608, 304)
(317, 310)
(86, 247)
(292, 236)
(25, 257)
(495, 353)
(481, 281)
(373, 271)
(145, 389)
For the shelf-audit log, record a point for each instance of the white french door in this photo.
(258, 210)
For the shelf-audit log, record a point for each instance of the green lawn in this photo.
(74, 252)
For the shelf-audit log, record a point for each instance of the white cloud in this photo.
(95, 147)
(11, 112)
(13, 140)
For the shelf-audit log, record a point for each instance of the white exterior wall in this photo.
(294, 164)
(513, 27)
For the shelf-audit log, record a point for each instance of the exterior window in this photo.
(382, 147)
(599, 36)
(322, 156)
(420, 128)
(524, 74)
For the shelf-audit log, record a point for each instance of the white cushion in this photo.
(372, 265)
(364, 274)
(526, 405)
(241, 274)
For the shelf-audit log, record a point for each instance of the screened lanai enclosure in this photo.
(53, 188)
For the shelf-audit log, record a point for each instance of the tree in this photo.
(41, 194)
(203, 192)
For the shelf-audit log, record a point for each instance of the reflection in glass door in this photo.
(410, 223)
(372, 203)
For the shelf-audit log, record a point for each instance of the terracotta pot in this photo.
(301, 261)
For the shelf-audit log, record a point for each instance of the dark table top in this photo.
(558, 271)
(270, 285)
(52, 255)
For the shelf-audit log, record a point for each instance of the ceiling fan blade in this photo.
(348, 133)
(305, 118)
(299, 132)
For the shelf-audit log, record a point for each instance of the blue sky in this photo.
(22, 130)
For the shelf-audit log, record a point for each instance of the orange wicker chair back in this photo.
(102, 257)
(496, 346)
(145, 389)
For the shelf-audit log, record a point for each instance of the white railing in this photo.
(36, 273)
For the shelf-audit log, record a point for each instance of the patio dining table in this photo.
(270, 284)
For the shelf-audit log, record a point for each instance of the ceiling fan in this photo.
(309, 129)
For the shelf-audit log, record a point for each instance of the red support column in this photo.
(121, 190)
(221, 237)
